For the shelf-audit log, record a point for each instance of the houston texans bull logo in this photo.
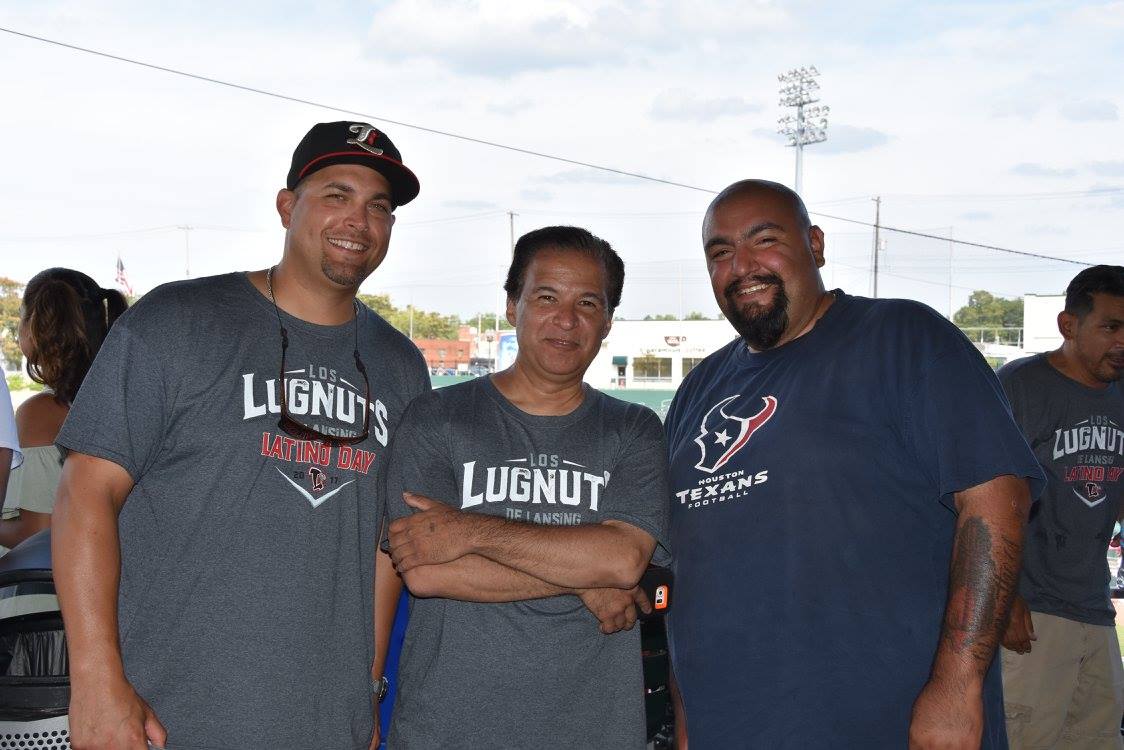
(721, 435)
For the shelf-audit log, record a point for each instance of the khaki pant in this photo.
(1068, 692)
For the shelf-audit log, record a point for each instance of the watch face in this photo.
(381, 686)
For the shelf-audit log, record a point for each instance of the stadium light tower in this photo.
(799, 89)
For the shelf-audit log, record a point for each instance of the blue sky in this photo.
(991, 122)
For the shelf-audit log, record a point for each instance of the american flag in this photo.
(123, 280)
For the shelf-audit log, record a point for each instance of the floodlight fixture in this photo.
(799, 90)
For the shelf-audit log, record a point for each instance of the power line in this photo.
(451, 219)
(128, 232)
(493, 144)
(1089, 193)
(899, 230)
(122, 233)
(343, 110)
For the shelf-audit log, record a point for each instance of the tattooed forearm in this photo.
(982, 582)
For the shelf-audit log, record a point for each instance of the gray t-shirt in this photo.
(1077, 434)
(534, 674)
(246, 555)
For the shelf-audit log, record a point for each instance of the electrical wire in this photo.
(344, 110)
(515, 149)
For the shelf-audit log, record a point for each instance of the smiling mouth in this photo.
(562, 343)
(349, 245)
(747, 287)
(752, 289)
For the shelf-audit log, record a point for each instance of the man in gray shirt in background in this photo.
(526, 506)
(1066, 689)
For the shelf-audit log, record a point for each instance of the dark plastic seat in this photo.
(34, 665)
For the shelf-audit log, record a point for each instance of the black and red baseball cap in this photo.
(346, 142)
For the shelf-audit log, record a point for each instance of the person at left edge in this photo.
(224, 452)
(10, 454)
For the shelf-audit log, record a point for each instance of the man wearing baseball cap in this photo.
(215, 529)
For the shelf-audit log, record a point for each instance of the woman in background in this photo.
(10, 455)
(64, 318)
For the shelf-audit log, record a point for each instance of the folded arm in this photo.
(472, 578)
(611, 554)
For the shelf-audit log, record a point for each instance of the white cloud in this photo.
(847, 139)
(1089, 110)
(1047, 229)
(769, 134)
(503, 38)
(577, 78)
(841, 139)
(1100, 15)
(468, 205)
(683, 104)
(1028, 169)
(514, 106)
(1107, 168)
(583, 176)
(1022, 108)
(539, 195)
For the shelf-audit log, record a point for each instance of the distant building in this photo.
(1040, 322)
(445, 354)
(655, 354)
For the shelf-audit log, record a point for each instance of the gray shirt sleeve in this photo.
(638, 491)
(8, 437)
(419, 460)
(122, 408)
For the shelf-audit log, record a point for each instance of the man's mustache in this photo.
(769, 278)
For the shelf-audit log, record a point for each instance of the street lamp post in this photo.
(808, 125)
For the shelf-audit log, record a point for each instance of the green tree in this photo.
(487, 321)
(985, 310)
(426, 324)
(661, 316)
(696, 315)
(11, 291)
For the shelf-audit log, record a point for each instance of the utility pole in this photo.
(186, 250)
(679, 275)
(499, 297)
(877, 240)
(809, 125)
(950, 244)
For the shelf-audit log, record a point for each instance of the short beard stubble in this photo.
(343, 275)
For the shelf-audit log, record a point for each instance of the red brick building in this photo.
(443, 353)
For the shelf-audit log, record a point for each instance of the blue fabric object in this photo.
(397, 635)
(813, 518)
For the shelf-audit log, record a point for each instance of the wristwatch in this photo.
(380, 687)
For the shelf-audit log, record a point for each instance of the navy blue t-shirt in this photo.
(813, 518)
